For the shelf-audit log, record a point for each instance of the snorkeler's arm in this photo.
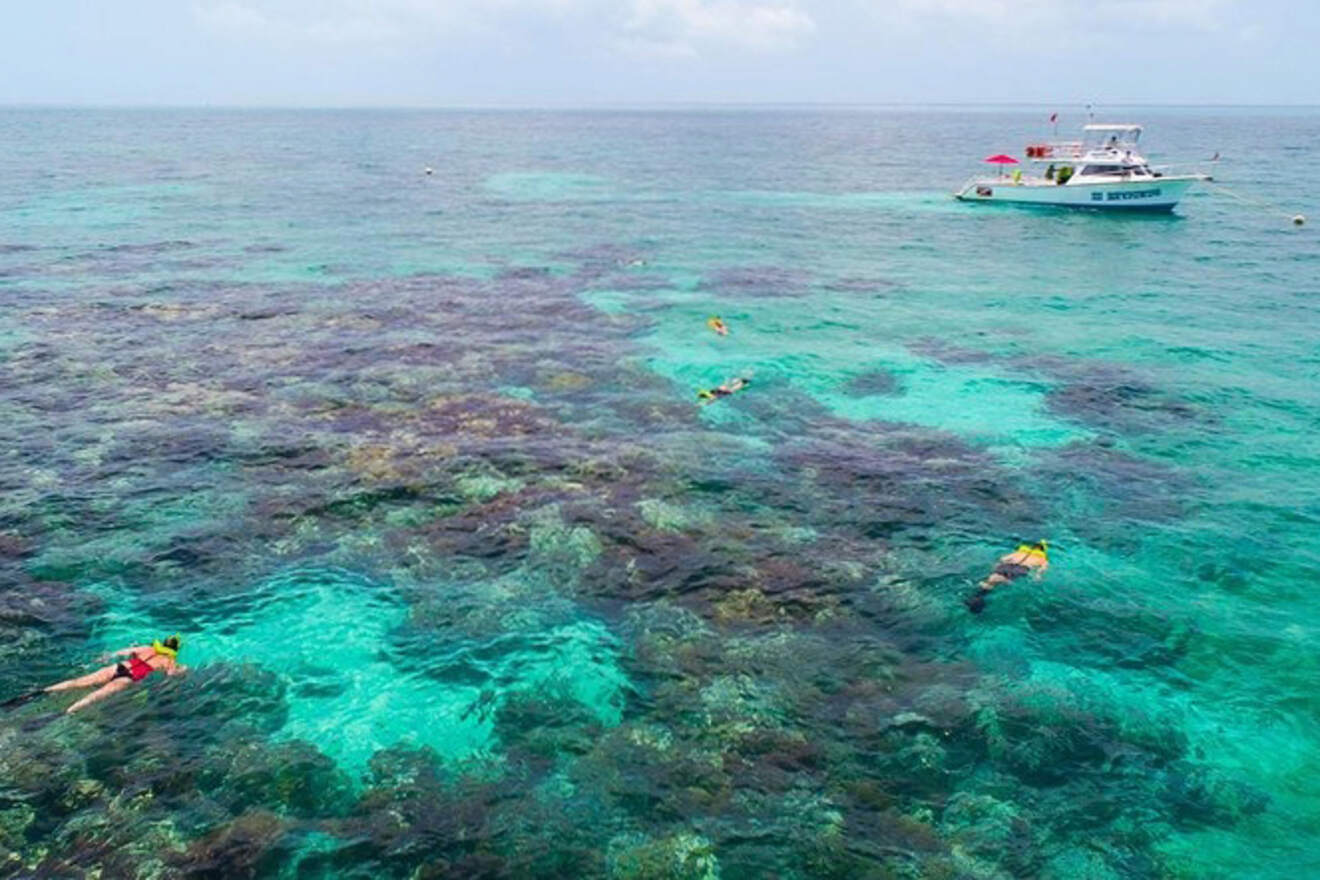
(176, 669)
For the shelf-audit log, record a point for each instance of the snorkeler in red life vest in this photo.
(160, 656)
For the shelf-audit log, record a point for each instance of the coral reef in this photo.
(502, 603)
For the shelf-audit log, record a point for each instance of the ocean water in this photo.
(472, 587)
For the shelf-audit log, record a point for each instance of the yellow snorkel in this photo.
(164, 650)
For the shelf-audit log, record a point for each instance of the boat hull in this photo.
(1160, 194)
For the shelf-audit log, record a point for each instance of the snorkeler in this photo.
(716, 323)
(710, 395)
(161, 656)
(1030, 559)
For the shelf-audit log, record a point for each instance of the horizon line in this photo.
(625, 105)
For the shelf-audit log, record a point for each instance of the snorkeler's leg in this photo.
(113, 687)
(100, 676)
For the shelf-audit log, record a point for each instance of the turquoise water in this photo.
(472, 587)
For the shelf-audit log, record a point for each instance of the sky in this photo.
(447, 53)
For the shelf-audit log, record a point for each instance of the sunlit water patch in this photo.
(789, 342)
(892, 203)
(550, 186)
(334, 637)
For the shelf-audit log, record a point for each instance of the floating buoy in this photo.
(427, 169)
(1299, 219)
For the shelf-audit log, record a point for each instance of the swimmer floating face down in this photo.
(710, 395)
(161, 656)
(1031, 559)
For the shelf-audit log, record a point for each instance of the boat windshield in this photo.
(1112, 136)
(1115, 171)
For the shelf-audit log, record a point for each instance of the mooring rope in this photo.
(1297, 219)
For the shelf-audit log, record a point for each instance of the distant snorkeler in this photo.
(1030, 559)
(716, 323)
(710, 395)
(160, 656)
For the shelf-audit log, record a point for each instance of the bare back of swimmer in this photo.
(142, 660)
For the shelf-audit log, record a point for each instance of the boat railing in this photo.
(1053, 151)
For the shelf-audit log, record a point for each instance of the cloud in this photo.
(233, 18)
(1076, 15)
(685, 26)
(330, 22)
(656, 27)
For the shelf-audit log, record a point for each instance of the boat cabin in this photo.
(1107, 152)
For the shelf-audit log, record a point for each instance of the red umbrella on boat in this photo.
(1001, 159)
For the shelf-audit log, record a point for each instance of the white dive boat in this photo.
(1103, 170)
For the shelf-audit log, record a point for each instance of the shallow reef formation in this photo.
(872, 383)
(759, 282)
(1105, 396)
(780, 685)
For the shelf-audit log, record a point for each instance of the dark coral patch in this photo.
(1135, 490)
(872, 383)
(1116, 400)
(38, 621)
(905, 480)
(243, 847)
(14, 546)
(949, 353)
(859, 284)
(1104, 395)
(759, 282)
(649, 564)
(487, 531)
